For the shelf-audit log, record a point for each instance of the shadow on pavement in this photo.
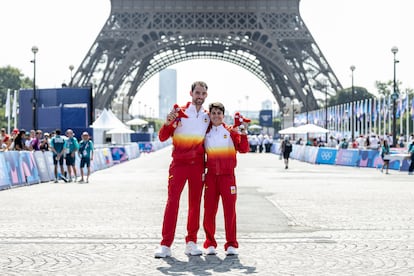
(207, 265)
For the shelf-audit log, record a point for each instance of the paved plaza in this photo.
(306, 220)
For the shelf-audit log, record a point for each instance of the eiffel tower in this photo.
(266, 37)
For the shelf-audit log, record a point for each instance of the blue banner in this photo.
(266, 118)
(42, 166)
(369, 158)
(119, 154)
(347, 157)
(326, 156)
(14, 168)
(5, 180)
(30, 172)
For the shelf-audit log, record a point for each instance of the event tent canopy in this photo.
(310, 128)
(104, 123)
(137, 122)
(289, 130)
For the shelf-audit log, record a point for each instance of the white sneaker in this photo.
(211, 251)
(231, 251)
(162, 252)
(192, 249)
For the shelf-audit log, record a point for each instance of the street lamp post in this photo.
(352, 103)
(35, 49)
(71, 67)
(394, 96)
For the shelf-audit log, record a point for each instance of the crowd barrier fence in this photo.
(20, 168)
(346, 157)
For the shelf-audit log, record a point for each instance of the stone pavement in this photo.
(307, 220)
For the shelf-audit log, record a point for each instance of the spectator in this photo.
(57, 146)
(267, 143)
(286, 149)
(36, 141)
(343, 144)
(19, 140)
(360, 141)
(72, 147)
(375, 142)
(44, 143)
(332, 143)
(86, 156)
(28, 139)
(5, 140)
(385, 150)
(401, 140)
(254, 142)
(411, 152)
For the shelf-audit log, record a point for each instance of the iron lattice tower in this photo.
(266, 37)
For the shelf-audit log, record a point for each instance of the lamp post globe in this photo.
(394, 97)
(35, 49)
(352, 67)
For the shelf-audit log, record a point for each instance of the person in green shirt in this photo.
(72, 146)
(57, 146)
(86, 155)
(411, 152)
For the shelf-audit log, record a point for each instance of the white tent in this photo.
(289, 130)
(120, 135)
(106, 122)
(120, 130)
(310, 128)
(137, 122)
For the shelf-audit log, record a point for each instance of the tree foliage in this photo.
(13, 79)
(345, 96)
(387, 88)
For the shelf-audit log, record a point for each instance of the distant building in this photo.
(168, 91)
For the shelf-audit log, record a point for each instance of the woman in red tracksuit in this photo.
(221, 144)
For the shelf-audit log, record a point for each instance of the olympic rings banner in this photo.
(326, 156)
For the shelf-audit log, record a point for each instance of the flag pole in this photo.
(7, 110)
(14, 112)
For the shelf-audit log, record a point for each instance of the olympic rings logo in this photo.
(326, 155)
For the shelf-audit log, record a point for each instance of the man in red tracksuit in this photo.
(221, 144)
(187, 127)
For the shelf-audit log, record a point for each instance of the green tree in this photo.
(13, 79)
(387, 88)
(345, 96)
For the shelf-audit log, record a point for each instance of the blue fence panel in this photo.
(5, 180)
(326, 156)
(347, 157)
(119, 154)
(369, 158)
(14, 167)
(28, 163)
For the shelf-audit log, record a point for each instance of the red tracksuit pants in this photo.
(178, 175)
(216, 186)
